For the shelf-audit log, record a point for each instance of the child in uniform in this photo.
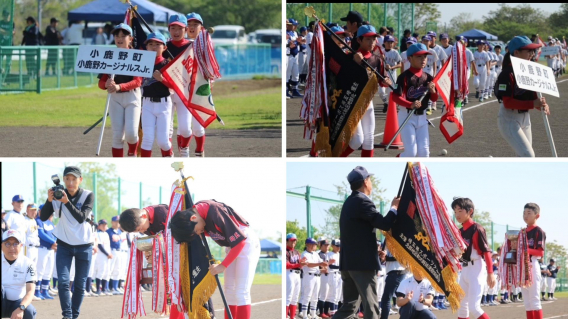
(536, 239)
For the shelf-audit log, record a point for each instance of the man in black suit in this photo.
(358, 261)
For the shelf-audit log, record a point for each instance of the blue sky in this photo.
(236, 184)
(478, 10)
(502, 188)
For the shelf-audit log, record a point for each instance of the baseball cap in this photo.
(73, 170)
(417, 49)
(310, 240)
(459, 37)
(102, 221)
(367, 31)
(122, 26)
(552, 260)
(522, 43)
(158, 37)
(178, 19)
(302, 29)
(444, 36)
(32, 206)
(480, 42)
(291, 236)
(18, 198)
(411, 40)
(431, 33)
(53, 20)
(388, 38)
(323, 241)
(115, 218)
(426, 37)
(359, 173)
(12, 233)
(291, 21)
(336, 242)
(194, 16)
(337, 29)
(353, 16)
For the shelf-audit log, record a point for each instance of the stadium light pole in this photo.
(307, 5)
(385, 14)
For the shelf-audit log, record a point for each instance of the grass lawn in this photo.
(563, 294)
(83, 106)
(263, 279)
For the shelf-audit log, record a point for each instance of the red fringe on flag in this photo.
(205, 55)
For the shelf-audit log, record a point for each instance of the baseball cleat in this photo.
(200, 154)
(429, 112)
(296, 93)
(476, 95)
(481, 99)
(184, 151)
(288, 95)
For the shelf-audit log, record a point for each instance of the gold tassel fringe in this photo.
(323, 148)
(184, 274)
(407, 261)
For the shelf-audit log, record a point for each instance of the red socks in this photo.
(183, 142)
(233, 310)
(168, 153)
(146, 153)
(463, 318)
(200, 140)
(367, 153)
(117, 152)
(347, 151)
(293, 309)
(484, 316)
(243, 312)
(534, 314)
(132, 149)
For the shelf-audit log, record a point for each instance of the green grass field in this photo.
(563, 294)
(83, 106)
(263, 279)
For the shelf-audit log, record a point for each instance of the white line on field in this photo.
(561, 316)
(256, 303)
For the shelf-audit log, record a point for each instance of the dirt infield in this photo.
(266, 303)
(550, 309)
(481, 135)
(41, 142)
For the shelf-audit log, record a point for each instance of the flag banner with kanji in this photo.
(422, 239)
(350, 91)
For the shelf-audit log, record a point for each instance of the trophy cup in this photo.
(144, 244)
(513, 239)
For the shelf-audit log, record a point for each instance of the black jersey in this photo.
(153, 88)
(536, 238)
(474, 237)
(412, 87)
(176, 50)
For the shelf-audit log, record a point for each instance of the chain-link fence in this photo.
(40, 68)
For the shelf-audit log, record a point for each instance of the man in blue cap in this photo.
(358, 261)
(293, 43)
(15, 219)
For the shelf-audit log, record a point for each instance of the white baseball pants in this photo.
(32, 253)
(124, 109)
(324, 287)
(365, 129)
(480, 81)
(334, 287)
(45, 263)
(531, 295)
(293, 282)
(414, 135)
(491, 81)
(156, 121)
(543, 285)
(310, 290)
(184, 116)
(240, 273)
(302, 58)
(380, 285)
(92, 267)
(472, 279)
(114, 265)
(292, 71)
(515, 128)
(551, 283)
(102, 265)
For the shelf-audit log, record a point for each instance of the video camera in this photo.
(57, 189)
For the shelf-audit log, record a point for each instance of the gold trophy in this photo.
(513, 240)
(144, 244)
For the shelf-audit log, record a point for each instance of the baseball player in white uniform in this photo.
(334, 278)
(116, 262)
(292, 67)
(15, 219)
(302, 56)
(322, 306)
(393, 62)
(293, 268)
(470, 64)
(442, 56)
(482, 62)
(447, 47)
(310, 279)
(431, 64)
(414, 295)
(31, 241)
(492, 73)
(551, 279)
(102, 259)
(543, 273)
(403, 57)
(91, 278)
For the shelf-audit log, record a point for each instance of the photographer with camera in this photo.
(72, 205)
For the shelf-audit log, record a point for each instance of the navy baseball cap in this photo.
(18, 198)
(194, 16)
(337, 29)
(411, 40)
(324, 241)
(310, 241)
(336, 242)
(302, 29)
(431, 33)
(417, 49)
(353, 16)
(102, 222)
(73, 170)
(156, 36)
(444, 36)
(358, 174)
(367, 31)
(115, 218)
(292, 21)
(426, 37)
(291, 236)
(122, 26)
(480, 42)
(388, 38)
(552, 260)
(522, 43)
(178, 19)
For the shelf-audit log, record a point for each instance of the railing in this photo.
(39, 68)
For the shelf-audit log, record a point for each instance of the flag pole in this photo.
(189, 203)
(104, 120)
(545, 119)
(210, 30)
(310, 12)
(403, 181)
(404, 123)
(94, 125)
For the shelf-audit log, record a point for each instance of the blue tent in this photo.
(269, 245)
(114, 10)
(475, 34)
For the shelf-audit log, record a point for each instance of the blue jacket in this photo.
(114, 244)
(45, 232)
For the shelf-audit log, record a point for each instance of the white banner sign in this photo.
(553, 50)
(534, 76)
(97, 59)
